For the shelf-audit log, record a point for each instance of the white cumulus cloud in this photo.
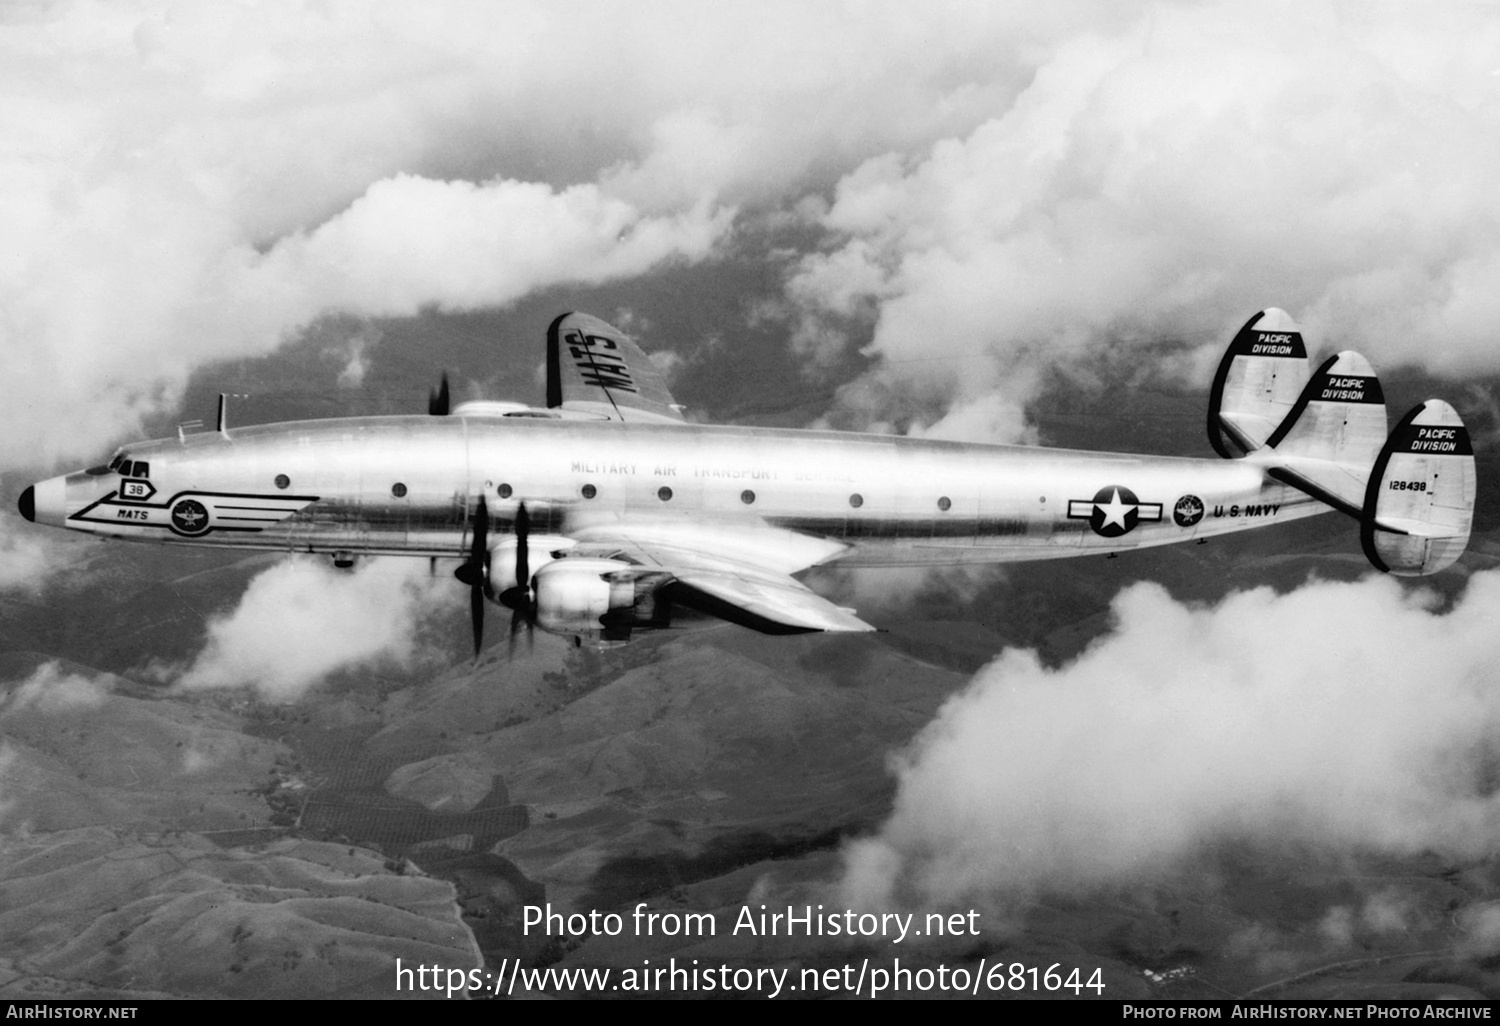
(185, 183)
(1347, 717)
(50, 689)
(302, 620)
(1165, 178)
(28, 556)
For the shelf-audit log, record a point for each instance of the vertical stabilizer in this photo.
(1257, 384)
(596, 370)
(1330, 439)
(1339, 416)
(1419, 506)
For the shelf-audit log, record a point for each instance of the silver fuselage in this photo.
(409, 484)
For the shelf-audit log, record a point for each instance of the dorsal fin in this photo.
(593, 367)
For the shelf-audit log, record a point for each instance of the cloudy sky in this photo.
(973, 194)
(186, 183)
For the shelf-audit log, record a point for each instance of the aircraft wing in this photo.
(769, 603)
(595, 368)
(758, 594)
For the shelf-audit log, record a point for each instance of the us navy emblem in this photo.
(1188, 511)
(1114, 510)
(189, 517)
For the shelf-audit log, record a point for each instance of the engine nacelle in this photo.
(598, 598)
(539, 552)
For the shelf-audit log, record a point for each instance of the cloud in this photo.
(1387, 913)
(405, 244)
(301, 621)
(187, 183)
(29, 555)
(1164, 179)
(1480, 924)
(50, 690)
(995, 189)
(1343, 717)
(409, 242)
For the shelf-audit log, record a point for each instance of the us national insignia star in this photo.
(1113, 511)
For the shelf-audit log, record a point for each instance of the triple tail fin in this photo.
(1419, 506)
(1324, 433)
(1332, 434)
(1257, 384)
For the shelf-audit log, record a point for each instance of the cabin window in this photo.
(282, 481)
(398, 490)
(504, 491)
(589, 491)
(664, 493)
(945, 504)
(856, 500)
(747, 496)
(142, 469)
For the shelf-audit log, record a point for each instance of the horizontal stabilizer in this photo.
(1337, 485)
(1257, 384)
(1419, 506)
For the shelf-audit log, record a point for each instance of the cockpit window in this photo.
(136, 468)
(102, 469)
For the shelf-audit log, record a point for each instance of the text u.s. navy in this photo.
(604, 513)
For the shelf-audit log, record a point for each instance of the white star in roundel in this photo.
(1114, 511)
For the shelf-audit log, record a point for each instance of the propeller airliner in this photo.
(604, 513)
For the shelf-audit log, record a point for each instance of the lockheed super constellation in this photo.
(604, 513)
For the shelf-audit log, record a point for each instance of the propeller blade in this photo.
(476, 616)
(478, 567)
(519, 598)
(523, 553)
(479, 550)
(515, 628)
(437, 401)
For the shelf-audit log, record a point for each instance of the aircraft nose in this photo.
(46, 502)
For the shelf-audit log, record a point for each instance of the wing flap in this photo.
(593, 367)
(779, 602)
